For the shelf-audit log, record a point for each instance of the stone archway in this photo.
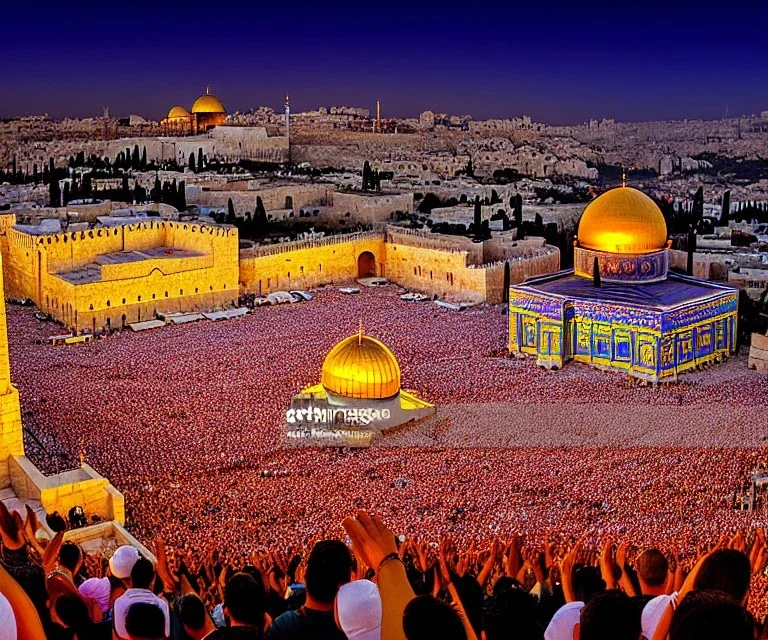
(366, 265)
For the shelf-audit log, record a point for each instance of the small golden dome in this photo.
(622, 220)
(208, 103)
(178, 112)
(361, 367)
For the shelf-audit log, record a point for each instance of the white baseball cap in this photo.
(358, 609)
(122, 561)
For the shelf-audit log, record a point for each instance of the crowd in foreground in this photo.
(378, 587)
(186, 420)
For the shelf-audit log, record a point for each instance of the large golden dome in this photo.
(208, 103)
(361, 367)
(622, 220)
(178, 112)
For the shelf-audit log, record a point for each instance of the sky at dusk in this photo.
(557, 62)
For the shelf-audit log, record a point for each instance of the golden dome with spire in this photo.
(622, 220)
(178, 112)
(208, 103)
(361, 367)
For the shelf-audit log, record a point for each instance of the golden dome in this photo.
(178, 112)
(622, 220)
(361, 367)
(208, 103)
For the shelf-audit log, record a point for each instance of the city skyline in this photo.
(560, 65)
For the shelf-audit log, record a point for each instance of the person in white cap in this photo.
(122, 561)
(358, 610)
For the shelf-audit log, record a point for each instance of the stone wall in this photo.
(277, 197)
(310, 263)
(371, 208)
(758, 352)
(128, 291)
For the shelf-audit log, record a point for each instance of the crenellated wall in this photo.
(177, 267)
(306, 264)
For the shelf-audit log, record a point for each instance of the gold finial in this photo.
(287, 102)
(207, 89)
(623, 177)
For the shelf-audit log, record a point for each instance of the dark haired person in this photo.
(145, 621)
(244, 609)
(610, 615)
(711, 615)
(329, 566)
(426, 618)
(193, 617)
(71, 612)
(140, 592)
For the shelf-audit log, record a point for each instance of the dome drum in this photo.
(641, 268)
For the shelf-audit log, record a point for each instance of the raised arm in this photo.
(376, 545)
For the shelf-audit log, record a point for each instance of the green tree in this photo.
(478, 217)
(200, 163)
(144, 158)
(192, 163)
(367, 176)
(54, 193)
(230, 211)
(260, 221)
(181, 200)
(157, 191)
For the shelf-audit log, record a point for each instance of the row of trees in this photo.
(169, 192)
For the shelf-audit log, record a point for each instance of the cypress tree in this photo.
(157, 191)
(505, 293)
(518, 210)
(596, 273)
(366, 175)
(181, 200)
(54, 193)
(230, 209)
(697, 213)
(125, 191)
(200, 163)
(192, 163)
(726, 210)
(34, 173)
(51, 169)
(478, 217)
(144, 158)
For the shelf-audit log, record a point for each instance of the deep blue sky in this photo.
(558, 62)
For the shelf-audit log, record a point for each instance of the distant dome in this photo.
(178, 112)
(208, 103)
(361, 367)
(622, 220)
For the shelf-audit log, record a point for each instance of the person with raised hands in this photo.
(376, 544)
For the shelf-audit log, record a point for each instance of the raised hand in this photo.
(371, 537)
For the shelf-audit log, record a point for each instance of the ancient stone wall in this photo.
(278, 197)
(310, 263)
(370, 208)
(125, 291)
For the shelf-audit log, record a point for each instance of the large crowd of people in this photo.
(187, 419)
(377, 586)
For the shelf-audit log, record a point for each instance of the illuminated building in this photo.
(633, 315)
(207, 112)
(358, 397)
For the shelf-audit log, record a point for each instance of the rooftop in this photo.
(675, 290)
(92, 272)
